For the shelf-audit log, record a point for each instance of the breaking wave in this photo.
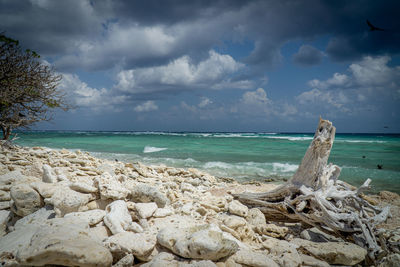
(152, 149)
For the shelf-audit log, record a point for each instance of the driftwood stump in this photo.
(316, 197)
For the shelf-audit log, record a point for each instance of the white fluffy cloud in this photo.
(146, 106)
(121, 45)
(204, 102)
(257, 97)
(367, 81)
(83, 95)
(181, 72)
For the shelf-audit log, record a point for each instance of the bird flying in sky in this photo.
(373, 28)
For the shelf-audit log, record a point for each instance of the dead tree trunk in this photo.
(314, 196)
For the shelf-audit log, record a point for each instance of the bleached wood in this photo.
(316, 197)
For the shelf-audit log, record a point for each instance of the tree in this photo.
(28, 88)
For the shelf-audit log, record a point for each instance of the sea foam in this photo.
(152, 149)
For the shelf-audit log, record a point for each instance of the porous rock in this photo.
(46, 190)
(92, 217)
(237, 208)
(83, 187)
(283, 252)
(163, 212)
(312, 262)
(4, 195)
(48, 175)
(167, 259)
(117, 218)
(333, 252)
(6, 180)
(145, 193)
(255, 259)
(140, 245)
(110, 187)
(199, 242)
(145, 210)
(15, 240)
(36, 218)
(63, 244)
(66, 200)
(126, 261)
(4, 215)
(255, 217)
(273, 230)
(25, 200)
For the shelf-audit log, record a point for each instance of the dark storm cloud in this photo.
(151, 12)
(101, 34)
(49, 27)
(308, 56)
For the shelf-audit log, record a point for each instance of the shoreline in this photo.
(85, 202)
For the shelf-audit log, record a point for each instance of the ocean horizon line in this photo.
(197, 132)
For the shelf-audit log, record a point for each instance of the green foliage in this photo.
(27, 86)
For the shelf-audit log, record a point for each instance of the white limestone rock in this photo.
(233, 221)
(6, 180)
(99, 204)
(163, 212)
(140, 245)
(4, 216)
(167, 259)
(66, 200)
(313, 262)
(15, 240)
(46, 190)
(92, 217)
(63, 243)
(187, 208)
(99, 233)
(126, 261)
(237, 208)
(4, 205)
(199, 242)
(48, 174)
(110, 187)
(144, 193)
(135, 227)
(106, 167)
(255, 217)
(83, 187)
(37, 218)
(344, 253)
(117, 218)
(272, 230)
(145, 210)
(25, 200)
(283, 252)
(187, 187)
(217, 204)
(4, 195)
(254, 259)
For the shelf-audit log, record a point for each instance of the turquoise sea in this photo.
(242, 156)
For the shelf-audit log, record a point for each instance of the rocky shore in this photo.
(59, 207)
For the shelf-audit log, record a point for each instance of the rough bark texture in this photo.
(315, 196)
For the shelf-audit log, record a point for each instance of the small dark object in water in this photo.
(363, 157)
(116, 160)
(379, 166)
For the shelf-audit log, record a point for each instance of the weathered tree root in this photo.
(314, 196)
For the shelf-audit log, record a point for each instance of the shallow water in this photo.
(243, 156)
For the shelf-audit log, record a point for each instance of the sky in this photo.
(218, 65)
